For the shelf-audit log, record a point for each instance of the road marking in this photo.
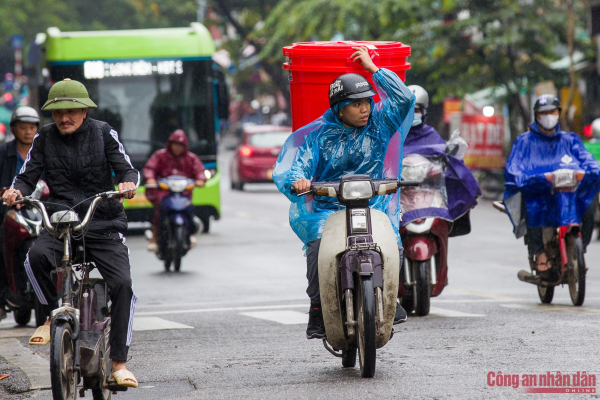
(156, 324)
(486, 295)
(555, 308)
(282, 317)
(221, 309)
(35, 367)
(442, 312)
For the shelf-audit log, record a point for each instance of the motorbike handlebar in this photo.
(113, 194)
(336, 185)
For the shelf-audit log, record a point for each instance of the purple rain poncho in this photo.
(325, 150)
(533, 154)
(459, 187)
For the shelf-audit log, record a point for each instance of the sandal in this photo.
(546, 264)
(42, 332)
(124, 377)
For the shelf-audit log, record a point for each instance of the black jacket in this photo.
(8, 163)
(78, 166)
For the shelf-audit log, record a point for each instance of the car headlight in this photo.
(357, 190)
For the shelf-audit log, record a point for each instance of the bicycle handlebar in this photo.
(113, 194)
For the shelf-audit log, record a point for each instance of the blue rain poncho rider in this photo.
(536, 153)
(326, 150)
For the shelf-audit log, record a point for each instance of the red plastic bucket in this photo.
(313, 66)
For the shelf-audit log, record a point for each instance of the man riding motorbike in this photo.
(461, 187)
(528, 196)
(352, 137)
(174, 159)
(79, 155)
(24, 124)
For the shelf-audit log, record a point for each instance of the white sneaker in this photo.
(193, 241)
(152, 247)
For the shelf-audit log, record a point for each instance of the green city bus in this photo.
(146, 83)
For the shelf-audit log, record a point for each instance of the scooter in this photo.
(424, 271)
(358, 270)
(563, 246)
(21, 228)
(80, 329)
(177, 221)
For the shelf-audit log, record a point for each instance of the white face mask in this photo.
(418, 120)
(549, 122)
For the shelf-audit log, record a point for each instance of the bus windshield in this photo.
(146, 109)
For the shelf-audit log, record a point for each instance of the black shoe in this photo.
(400, 315)
(316, 326)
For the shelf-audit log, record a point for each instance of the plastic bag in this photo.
(456, 145)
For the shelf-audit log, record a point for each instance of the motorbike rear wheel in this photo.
(546, 294)
(366, 333)
(422, 287)
(349, 357)
(577, 270)
(22, 316)
(63, 377)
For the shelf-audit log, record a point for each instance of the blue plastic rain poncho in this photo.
(533, 154)
(325, 150)
(457, 186)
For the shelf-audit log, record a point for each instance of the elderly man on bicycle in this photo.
(79, 155)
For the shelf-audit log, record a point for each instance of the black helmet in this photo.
(349, 86)
(547, 102)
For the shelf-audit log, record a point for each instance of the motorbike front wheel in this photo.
(366, 336)
(577, 270)
(180, 240)
(422, 287)
(63, 377)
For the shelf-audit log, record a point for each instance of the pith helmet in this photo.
(68, 94)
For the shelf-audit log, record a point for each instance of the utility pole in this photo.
(201, 11)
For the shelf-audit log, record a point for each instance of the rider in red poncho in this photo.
(174, 159)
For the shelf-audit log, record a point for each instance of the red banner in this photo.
(485, 137)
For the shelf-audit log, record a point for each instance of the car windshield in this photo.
(268, 139)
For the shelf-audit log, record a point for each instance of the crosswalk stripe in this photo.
(287, 317)
(554, 308)
(442, 312)
(156, 324)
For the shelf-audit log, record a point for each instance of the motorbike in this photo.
(358, 270)
(424, 272)
(563, 246)
(21, 228)
(80, 329)
(177, 220)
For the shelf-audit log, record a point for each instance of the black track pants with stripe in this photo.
(111, 256)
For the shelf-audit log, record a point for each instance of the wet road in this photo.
(232, 323)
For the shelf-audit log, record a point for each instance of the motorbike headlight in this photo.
(178, 185)
(564, 178)
(357, 190)
(414, 172)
